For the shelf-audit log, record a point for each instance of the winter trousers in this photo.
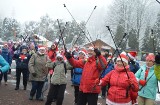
(76, 93)
(37, 89)
(18, 76)
(3, 75)
(145, 101)
(90, 98)
(53, 92)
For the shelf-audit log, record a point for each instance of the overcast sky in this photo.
(25, 10)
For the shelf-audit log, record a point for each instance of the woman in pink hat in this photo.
(147, 82)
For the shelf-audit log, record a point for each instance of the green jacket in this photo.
(59, 74)
(150, 89)
(157, 71)
(37, 64)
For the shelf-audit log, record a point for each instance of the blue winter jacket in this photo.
(108, 69)
(77, 73)
(134, 67)
(150, 89)
(4, 65)
(6, 55)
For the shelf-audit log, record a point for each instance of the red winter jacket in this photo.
(52, 54)
(118, 81)
(91, 72)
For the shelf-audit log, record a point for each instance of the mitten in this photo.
(157, 58)
(98, 53)
(68, 55)
(133, 62)
(142, 82)
(34, 74)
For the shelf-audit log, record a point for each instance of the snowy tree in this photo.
(147, 43)
(156, 33)
(46, 27)
(10, 29)
(133, 42)
(133, 15)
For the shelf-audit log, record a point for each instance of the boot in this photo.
(24, 87)
(31, 98)
(16, 88)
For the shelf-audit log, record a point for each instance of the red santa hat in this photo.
(41, 48)
(124, 58)
(132, 54)
(110, 57)
(83, 51)
(150, 57)
(59, 55)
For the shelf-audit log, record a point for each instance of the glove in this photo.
(157, 58)
(142, 82)
(133, 62)
(68, 55)
(98, 53)
(34, 74)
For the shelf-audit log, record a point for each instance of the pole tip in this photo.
(95, 7)
(64, 5)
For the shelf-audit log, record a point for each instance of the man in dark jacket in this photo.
(22, 61)
(7, 56)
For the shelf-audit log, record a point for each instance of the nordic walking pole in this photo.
(78, 24)
(61, 34)
(117, 50)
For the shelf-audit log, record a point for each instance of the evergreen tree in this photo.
(133, 40)
(118, 37)
(156, 34)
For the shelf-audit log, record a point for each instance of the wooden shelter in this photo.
(101, 45)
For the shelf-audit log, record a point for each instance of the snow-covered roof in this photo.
(41, 38)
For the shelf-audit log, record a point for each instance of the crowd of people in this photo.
(121, 81)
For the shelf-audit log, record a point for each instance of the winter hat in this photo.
(59, 55)
(132, 54)
(110, 57)
(83, 51)
(91, 48)
(124, 58)
(150, 57)
(41, 48)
